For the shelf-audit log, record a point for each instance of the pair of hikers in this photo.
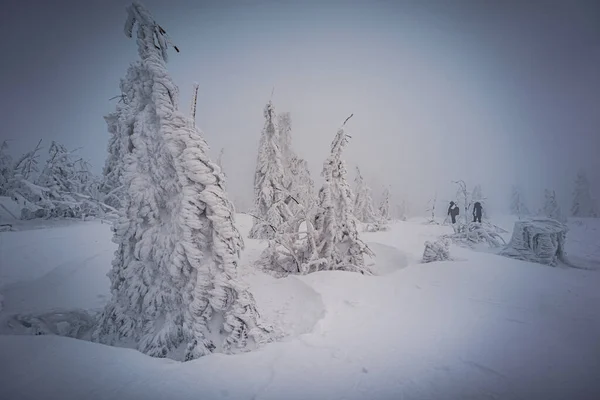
(453, 211)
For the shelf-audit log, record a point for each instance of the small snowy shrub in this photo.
(436, 251)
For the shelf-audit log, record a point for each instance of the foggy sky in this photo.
(492, 92)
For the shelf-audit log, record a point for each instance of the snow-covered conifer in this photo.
(174, 282)
(270, 195)
(384, 207)
(337, 237)
(583, 204)
(297, 179)
(363, 201)
(517, 202)
(551, 208)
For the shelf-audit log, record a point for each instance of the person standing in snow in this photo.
(477, 212)
(453, 211)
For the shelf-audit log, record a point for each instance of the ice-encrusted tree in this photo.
(174, 285)
(583, 204)
(297, 179)
(384, 207)
(551, 207)
(363, 201)
(337, 238)
(59, 172)
(284, 128)
(270, 195)
(518, 206)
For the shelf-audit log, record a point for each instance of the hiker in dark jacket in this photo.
(453, 211)
(477, 212)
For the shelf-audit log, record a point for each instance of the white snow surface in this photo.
(483, 327)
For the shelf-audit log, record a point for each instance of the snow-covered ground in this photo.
(481, 327)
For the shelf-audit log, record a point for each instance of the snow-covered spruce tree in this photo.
(384, 207)
(364, 210)
(551, 208)
(270, 195)
(284, 127)
(337, 238)
(583, 205)
(174, 277)
(297, 179)
(517, 202)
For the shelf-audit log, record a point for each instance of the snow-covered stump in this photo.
(436, 251)
(539, 240)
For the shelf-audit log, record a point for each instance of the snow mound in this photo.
(288, 304)
(387, 259)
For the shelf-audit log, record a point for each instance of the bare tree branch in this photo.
(347, 119)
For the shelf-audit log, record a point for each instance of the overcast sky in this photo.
(493, 92)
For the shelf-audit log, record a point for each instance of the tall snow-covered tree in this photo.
(270, 194)
(284, 127)
(551, 208)
(363, 201)
(384, 207)
(583, 204)
(337, 238)
(174, 285)
(518, 206)
(297, 179)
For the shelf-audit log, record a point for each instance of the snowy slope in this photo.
(484, 327)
